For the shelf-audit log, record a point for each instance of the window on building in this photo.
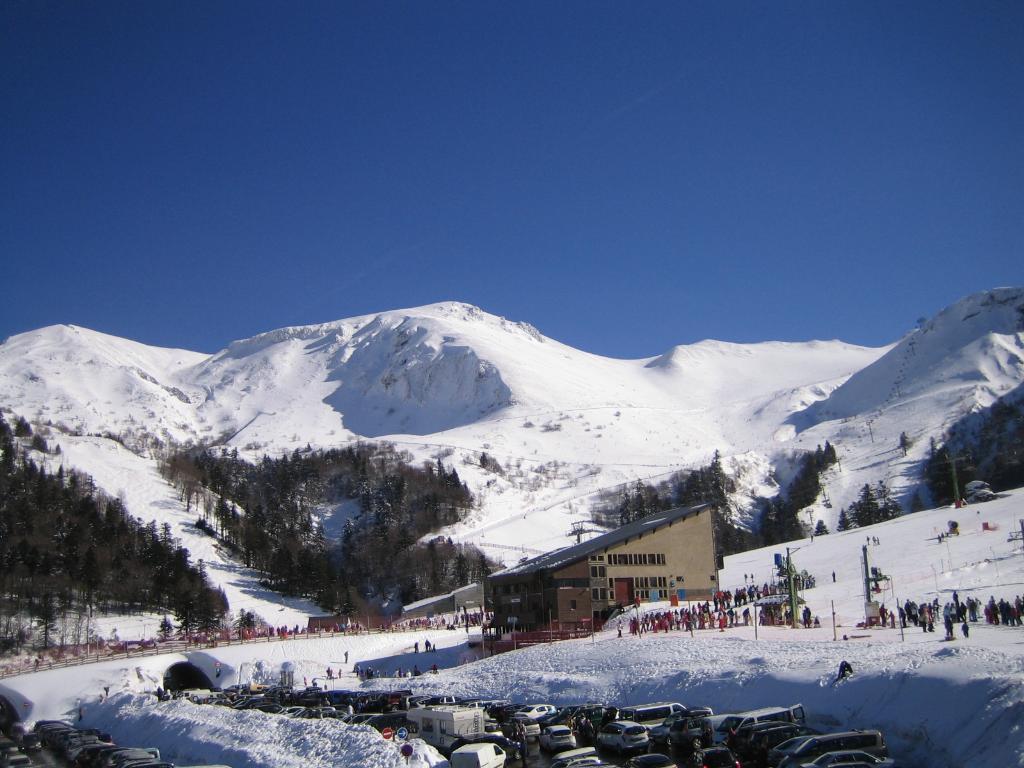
(595, 594)
(572, 605)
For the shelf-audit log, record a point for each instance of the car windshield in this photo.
(729, 723)
(633, 730)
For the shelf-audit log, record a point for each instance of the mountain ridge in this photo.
(452, 381)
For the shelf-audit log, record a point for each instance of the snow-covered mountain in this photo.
(452, 380)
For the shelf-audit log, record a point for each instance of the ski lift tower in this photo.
(873, 577)
(579, 529)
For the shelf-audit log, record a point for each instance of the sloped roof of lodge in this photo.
(571, 554)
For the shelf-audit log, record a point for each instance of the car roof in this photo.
(656, 758)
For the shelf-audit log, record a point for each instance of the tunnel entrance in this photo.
(184, 675)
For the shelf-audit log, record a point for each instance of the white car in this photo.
(535, 711)
(579, 762)
(556, 738)
(623, 736)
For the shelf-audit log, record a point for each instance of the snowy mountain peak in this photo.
(561, 425)
(969, 354)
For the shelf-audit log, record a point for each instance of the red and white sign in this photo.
(388, 733)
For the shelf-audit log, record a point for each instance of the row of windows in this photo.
(599, 594)
(580, 583)
(640, 558)
(646, 582)
(598, 571)
(597, 558)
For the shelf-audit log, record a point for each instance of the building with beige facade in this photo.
(667, 556)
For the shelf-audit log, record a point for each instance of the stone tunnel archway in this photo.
(184, 675)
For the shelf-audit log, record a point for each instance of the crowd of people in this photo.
(925, 615)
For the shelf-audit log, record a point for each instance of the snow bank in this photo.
(191, 733)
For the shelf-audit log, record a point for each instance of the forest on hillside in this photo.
(67, 550)
(987, 445)
(779, 516)
(268, 514)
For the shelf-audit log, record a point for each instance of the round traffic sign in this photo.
(387, 733)
(402, 733)
(407, 750)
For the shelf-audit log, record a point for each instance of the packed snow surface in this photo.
(940, 704)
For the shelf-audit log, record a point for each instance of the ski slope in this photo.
(451, 381)
(940, 704)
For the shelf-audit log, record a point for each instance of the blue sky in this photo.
(625, 176)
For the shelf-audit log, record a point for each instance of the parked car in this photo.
(380, 721)
(659, 734)
(731, 724)
(573, 755)
(593, 712)
(866, 741)
(478, 756)
(715, 757)
(848, 758)
(651, 714)
(623, 736)
(534, 712)
(512, 749)
(784, 749)
(742, 739)
(557, 738)
(762, 742)
(30, 742)
(651, 760)
(692, 732)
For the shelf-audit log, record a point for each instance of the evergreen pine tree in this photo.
(821, 529)
(844, 524)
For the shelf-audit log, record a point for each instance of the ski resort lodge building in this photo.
(667, 556)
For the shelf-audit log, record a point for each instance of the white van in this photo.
(441, 726)
(650, 714)
(478, 756)
(732, 723)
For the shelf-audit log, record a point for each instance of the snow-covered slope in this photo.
(451, 380)
(959, 362)
(940, 704)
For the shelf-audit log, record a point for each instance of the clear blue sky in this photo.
(625, 176)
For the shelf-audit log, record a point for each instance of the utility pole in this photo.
(792, 589)
(956, 486)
